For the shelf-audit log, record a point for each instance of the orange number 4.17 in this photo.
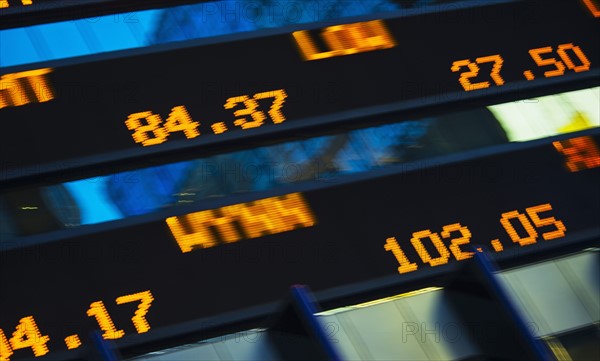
(28, 335)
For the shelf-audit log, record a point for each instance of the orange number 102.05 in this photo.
(441, 252)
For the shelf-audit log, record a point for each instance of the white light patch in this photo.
(550, 115)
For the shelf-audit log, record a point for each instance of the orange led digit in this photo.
(346, 39)
(437, 243)
(560, 227)
(523, 241)
(153, 122)
(535, 55)
(498, 61)
(465, 76)
(278, 99)
(28, 335)
(179, 120)
(139, 320)
(5, 350)
(457, 242)
(562, 52)
(99, 312)
(593, 8)
(251, 105)
(580, 153)
(405, 265)
(13, 93)
(254, 219)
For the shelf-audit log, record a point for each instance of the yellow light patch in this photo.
(380, 301)
(579, 121)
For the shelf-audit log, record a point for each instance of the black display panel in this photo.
(72, 113)
(516, 201)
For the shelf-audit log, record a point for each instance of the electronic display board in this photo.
(205, 262)
(103, 108)
(133, 278)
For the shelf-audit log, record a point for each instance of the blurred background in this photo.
(143, 191)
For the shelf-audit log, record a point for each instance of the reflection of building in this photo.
(233, 16)
(147, 190)
(38, 210)
(315, 158)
